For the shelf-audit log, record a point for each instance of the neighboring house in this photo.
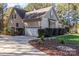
(41, 18)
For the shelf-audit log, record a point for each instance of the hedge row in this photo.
(49, 32)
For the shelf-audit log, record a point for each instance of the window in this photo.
(15, 16)
(17, 24)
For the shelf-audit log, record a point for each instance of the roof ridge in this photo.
(41, 10)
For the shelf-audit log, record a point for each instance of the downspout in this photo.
(40, 23)
(48, 23)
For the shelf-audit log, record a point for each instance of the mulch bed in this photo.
(49, 47)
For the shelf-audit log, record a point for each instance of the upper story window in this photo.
(13, 16)
(17, 24)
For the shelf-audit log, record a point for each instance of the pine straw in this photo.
(49, 47)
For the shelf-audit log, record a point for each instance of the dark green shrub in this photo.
(41, 32)
(42, 39)
(19, 31)
(48, 32)
(9, 31)
(56, 31)
(62, 41)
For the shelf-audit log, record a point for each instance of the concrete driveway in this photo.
(18, 46)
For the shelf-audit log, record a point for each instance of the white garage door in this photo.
(31, 31)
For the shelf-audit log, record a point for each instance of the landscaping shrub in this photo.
(56, 31)
(42, 39)
(61, 31)
(53, 31)
(49, 32)
(41, 32)
(10, 31)
(19, 31)
(62, 41)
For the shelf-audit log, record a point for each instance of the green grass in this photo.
(73, 39)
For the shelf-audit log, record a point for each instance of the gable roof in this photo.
(36, 14)
(55, 13)
(10, 10)
(20, 12)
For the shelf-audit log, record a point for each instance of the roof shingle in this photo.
(20, 12)
(36, 13)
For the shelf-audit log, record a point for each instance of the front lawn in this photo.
(69, 39)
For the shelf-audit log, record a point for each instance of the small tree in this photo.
(75, 17)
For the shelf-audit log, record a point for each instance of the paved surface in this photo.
(18, 46)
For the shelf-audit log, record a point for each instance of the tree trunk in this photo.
(5, 25)
(76, 27)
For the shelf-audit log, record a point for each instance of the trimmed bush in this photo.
(62, 41)
(41, 32)
(19, 31)
(61, 31)
(49, 32)
(56, 31)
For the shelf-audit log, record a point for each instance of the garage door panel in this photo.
(31, 31)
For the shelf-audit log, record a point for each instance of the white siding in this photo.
(51, 14)
(12, 22)
(52, 24)
(32, 24)
(31, 28)
(44, 23)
